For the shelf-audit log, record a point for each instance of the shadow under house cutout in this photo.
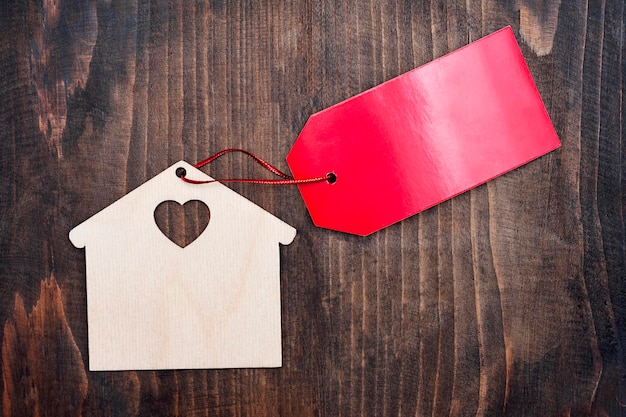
(154, 305)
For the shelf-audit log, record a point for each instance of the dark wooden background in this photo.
(509, 299)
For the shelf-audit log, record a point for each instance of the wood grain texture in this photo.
(40, 359)
(153, 305)
(509, 299)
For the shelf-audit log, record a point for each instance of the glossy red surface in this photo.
(423, 137)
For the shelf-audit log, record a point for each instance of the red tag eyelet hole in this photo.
(331, 178)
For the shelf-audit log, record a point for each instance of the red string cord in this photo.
(286, 178)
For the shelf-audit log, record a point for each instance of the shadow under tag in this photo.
(423, 137)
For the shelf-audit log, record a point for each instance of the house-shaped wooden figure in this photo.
(154, 305)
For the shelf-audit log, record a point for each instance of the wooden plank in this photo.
(507, 299)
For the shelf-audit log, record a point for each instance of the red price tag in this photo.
(423, 137)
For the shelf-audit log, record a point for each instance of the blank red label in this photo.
(423, 137)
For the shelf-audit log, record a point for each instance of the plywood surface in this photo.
(509, 299)
(153, 304)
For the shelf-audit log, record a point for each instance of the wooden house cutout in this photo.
(213, 304)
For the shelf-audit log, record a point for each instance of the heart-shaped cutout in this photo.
(182, 223)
